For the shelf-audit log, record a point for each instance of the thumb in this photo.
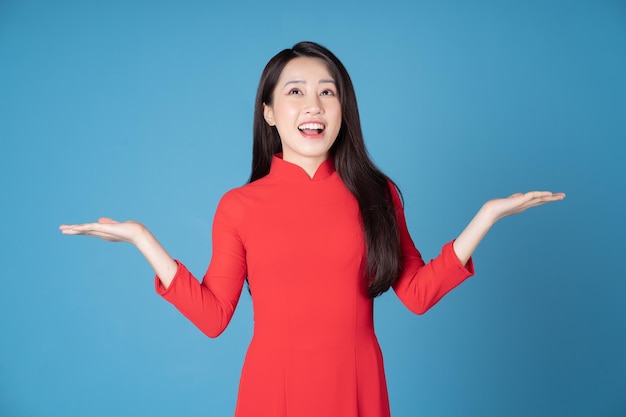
(106, 220)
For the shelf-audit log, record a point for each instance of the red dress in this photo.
(301, 245)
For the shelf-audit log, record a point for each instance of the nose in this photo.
(313, 105)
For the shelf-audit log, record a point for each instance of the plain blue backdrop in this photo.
(143, 110)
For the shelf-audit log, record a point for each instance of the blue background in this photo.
(143, 110)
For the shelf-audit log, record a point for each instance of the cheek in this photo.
(337, 109)
(286, 113)
(338, 116)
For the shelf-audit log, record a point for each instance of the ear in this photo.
(268, 114)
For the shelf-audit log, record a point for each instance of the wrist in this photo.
(486, 215)
(142, 237)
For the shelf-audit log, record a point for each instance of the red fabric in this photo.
(301, 245)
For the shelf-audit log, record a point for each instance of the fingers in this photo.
(518, 202)
(84, 226)
(68, 228)
(99, 230)
(105, 228)
(91, 229)
(543, 196)
(75, 229)
(537, 198)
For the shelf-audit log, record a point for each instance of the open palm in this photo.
(107, 229)
(518, 202)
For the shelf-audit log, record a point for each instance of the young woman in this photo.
(318, 232)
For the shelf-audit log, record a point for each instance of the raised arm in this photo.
(421, 285)
(134, 233)
(494, 210)
(209, 305)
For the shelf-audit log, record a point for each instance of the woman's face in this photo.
(305, 110)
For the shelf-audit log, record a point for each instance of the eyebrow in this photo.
(322, 81)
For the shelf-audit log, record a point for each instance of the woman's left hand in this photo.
(518, 202)
(494, 210)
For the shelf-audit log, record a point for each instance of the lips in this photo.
(311, 128)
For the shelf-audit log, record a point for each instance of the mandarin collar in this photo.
(294, 173)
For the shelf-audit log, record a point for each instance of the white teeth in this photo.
(311, 126)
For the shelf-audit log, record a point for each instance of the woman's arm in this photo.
(421, 285)
(491, 212)
(209, 305)
(135, 234)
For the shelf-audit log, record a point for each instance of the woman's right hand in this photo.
(134, 233)
(107, 229)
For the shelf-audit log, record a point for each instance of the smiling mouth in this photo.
(311, 128)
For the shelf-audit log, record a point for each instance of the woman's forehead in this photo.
(306, 69)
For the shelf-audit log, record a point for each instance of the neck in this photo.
(308, 164)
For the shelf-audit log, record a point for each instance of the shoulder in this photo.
(234, 199)
(240, 199)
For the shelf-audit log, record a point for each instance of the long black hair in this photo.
(368, 184)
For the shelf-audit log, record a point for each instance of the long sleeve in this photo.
(210, 305)
(421, 285)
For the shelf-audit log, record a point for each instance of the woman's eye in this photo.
(328, 93)
(295, 91)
